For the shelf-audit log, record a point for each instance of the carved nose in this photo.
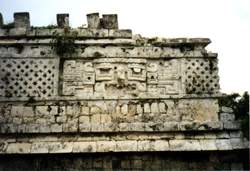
(121, 75)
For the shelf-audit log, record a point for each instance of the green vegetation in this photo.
(240, 106)
(64, 43)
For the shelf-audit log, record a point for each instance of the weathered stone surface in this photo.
(184, 145)
(234, 125)
(22, 20)
(227, 117)
(223, 144)
(208, 145)
(84, 147)
(225, 109)
(62, 20)
(116, 93)
(93, 20)
(23, 148)
(110, 21)
(126, 146)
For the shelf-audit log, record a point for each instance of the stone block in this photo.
(171, 126)
(124, 109)
(137, 126)
(120, 33)
(44, 128)
(154, 108)
(222, 135)
(213, 125)
(126, 146)
(184, 145)
(139, 109)
(81, 147)
(123, 127)
(199, 110)
(28, 111)
(161, 145)
(62, 20)
(84, 119)
(95, 110)
(16, 110)
(19, 148)
(85, 110)
(207, 145)
(223, 144)
(110, 21)
(39, 147)
(93, 21)
(96, 119)
(239, 143)
(22, 20)
(146, 145)
(106, 146)
(225, 109)
(235, 134)
(234, 125)
(84, 127)
(61, 119)
(162, 107)
(105, 118)
(42, 110)
(33, 128)
(227, 117)
(60, 147)
(97, 127)
(56, 128)
(146, 108)
(71, 125)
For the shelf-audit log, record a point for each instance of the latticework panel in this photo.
(27, 77)
(201, 76)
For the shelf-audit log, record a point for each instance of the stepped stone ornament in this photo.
(134, 91)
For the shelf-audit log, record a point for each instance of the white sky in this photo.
(225, 22)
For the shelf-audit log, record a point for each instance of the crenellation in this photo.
(62, 20)
(1, 21)
(93, 21)
(22, 20)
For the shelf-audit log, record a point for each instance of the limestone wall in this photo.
(103, 89)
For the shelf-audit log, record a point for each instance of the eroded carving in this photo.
(121, 78)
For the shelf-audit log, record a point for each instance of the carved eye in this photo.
(137, 70)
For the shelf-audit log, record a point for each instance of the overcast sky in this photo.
(225, 22)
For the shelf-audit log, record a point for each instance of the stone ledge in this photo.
(81, 33)
(117, 127)
(121, 146)
(109, 51)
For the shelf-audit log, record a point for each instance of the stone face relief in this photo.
(78, 77)
(128, 78)
(164, 77)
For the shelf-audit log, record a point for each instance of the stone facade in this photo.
(114, 93)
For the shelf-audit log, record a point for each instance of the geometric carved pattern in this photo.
(27, 77)
(114, 77)
(163, 77)
(201, 76)
(78, 75)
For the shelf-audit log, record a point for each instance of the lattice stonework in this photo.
(201, 76)
(27, 77)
